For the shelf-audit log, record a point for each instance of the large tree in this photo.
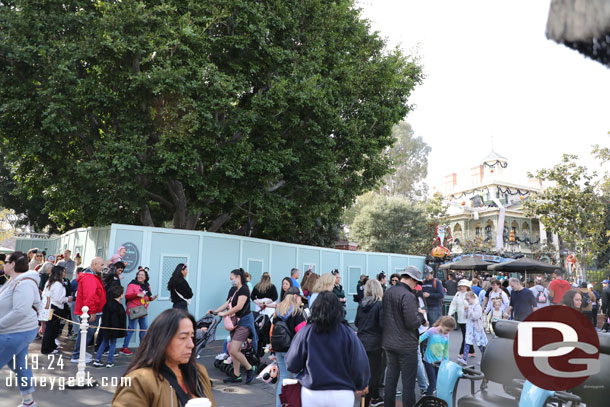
(409, 159)
(397, 224)
(572, 207)
(261, 118)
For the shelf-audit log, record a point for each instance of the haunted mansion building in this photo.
(485, 210)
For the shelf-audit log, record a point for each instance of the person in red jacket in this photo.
(138, 293)
(90, 293)
(558, 287)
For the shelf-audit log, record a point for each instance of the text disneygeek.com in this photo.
(60, 383)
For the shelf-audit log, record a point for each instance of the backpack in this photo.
(541, 298)
(585, 300)
(280, 336)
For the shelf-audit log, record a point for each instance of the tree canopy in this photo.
(397, 224)
(409, 160)
(572, 207)
(258, 118)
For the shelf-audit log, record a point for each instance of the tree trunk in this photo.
(221, 220)
(182, 219)
(145, 217)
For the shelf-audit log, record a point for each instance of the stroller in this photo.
(262, 325)
(203, 338)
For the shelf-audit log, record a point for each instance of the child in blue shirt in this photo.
(438, 348)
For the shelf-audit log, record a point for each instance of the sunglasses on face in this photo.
(394, 280)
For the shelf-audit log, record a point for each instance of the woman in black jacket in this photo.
(179, 288)
(369, 321)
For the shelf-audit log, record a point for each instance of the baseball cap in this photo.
(293, 290)
(413, 272)
(605, 282)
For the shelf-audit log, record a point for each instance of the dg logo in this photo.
(557, 348)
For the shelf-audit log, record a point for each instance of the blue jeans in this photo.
(111, 344)
(434, 313)
(16, 345)
(225, 345)
(132, 325)
(432, 371)
(422, 377)
(283, 374)
(90, 333)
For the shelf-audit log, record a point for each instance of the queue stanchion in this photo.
(82, 380)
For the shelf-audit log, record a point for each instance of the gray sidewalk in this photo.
(256, 394)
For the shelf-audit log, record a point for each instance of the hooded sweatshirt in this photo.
(369, 321)
(117, 256)
(16, 301)
(333, 360)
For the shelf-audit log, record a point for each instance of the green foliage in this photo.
(409, 158)
(397, 224)
(262, 118)
(572, 207)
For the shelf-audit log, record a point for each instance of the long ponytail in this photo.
(242, 275)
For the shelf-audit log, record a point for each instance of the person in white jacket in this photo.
(457, 306)
(19, 304)
(54, 297)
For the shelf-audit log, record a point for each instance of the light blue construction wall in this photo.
(211, 257)
(89, 242)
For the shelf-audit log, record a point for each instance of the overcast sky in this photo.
(491, 72)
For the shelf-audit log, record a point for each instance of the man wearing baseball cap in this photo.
(401, 320)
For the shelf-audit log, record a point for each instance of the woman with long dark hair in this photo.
(238, 305)
(286, 284)
(572, 299)
(328, 356)
(113, 277)
(179, 288)
(53, 295)
(138, 294)
(164, 371)
(19, 304)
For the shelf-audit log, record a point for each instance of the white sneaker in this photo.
(28, 405)
(221, 356)
(88, 358)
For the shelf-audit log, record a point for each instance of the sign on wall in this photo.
(131, 258)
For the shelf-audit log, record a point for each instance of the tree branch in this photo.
(163, 201)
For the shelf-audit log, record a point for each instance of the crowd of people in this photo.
(399, 332)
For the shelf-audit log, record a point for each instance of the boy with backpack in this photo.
(113, 316)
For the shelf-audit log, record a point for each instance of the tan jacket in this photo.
(148, 389)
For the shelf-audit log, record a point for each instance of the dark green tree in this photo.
(397, 224)
(240, 116)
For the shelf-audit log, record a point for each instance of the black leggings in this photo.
(51, 332)
(463, 328)
(375, 364)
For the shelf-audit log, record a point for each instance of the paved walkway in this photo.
(253, 395)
